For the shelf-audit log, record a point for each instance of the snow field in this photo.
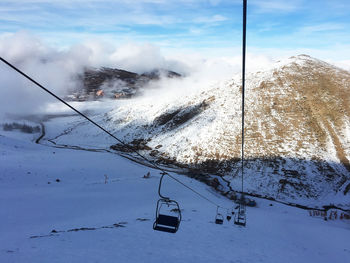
(81, 199)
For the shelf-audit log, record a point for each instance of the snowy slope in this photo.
(297, 130)
(96, 221)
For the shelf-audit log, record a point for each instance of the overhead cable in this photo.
(155, 166)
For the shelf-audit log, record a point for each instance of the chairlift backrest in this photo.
(240, 218)
(168, 220)
(165, 219)
(219, 219)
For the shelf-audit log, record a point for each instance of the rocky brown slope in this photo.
(115, 83)
(297, 131)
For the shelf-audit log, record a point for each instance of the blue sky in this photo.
(319, 27)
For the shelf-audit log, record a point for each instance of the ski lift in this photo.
(240, 218)
(219, 219)
(168, 213)
(229, 214)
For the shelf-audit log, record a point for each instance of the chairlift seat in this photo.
(165, 229)
(165, 222)
(240, 218)
(240, 223)
(219, 221)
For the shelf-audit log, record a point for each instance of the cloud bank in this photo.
(57, 69)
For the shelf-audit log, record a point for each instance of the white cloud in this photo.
(268, 6)
(143, 58)
(345, 64)
(51, 68)
(56, 68)
(321, 28)
(211, 19)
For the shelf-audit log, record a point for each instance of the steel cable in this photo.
(155, 166)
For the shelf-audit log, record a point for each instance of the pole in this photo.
(243, 79)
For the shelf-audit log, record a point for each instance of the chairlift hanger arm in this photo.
(160, 186)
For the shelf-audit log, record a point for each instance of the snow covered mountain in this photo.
(77, 201)
(297, 131)
(114, 83)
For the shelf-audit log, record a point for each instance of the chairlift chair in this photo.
(240, 217)
(219, 219)
(168, 213)
(168, 216)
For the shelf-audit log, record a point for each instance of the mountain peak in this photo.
(297, 123)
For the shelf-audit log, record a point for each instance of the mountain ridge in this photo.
(296, 110)
(96, 83)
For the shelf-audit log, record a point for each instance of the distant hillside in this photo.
(115, 83)
(297, 131)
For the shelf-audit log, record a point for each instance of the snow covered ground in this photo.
(297, 152)
(56, 205)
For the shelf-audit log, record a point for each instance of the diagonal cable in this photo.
(155, 166)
